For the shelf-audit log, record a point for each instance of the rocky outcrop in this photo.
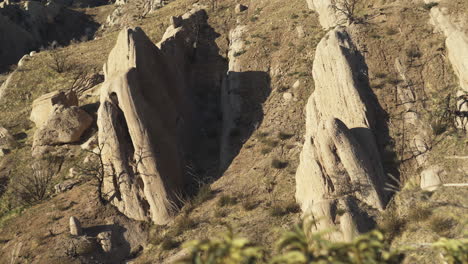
(327, 16)
(43, 107)
(146, 122)
(340, 164)
(456, 43)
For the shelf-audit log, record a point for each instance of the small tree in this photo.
(346, 8)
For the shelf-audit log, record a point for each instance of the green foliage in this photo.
(302, 249)
(226, 250)
(298, 246)
(455, 251)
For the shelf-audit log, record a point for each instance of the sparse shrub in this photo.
(184, 223)
(204, 194)
(238, 53)
(220, 213)
(294, 16)
(168, 243)
(419, 213)
(59, 61)
(276, 44)
(391, 31)
(249, 204)
(440, 225)
(393, 81)
(279, 164)
(430, 5)
(265, 151)
(439, 127)
(253, 19)
(36, 184)
(381, 75)
(227, 200)
(413, 53)
(392, 225)
(281, 209)
(284, 135)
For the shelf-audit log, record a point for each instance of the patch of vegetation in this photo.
(226, 200)
(419, 213)
(413, 53)
(282, 209)
(238, 53)
(279, 164)
(284, 135)
(249, 204)
(392, 225)
(294, 16)
(169, 243)
(430, 5)
(184, 223)
(441, 225)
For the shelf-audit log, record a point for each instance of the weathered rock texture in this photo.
(340, 164)
(6, 139)
(75, 227)
(146, 123)
(43, 107)
(327, 16)
(65, 125)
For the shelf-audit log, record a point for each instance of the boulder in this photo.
(75, 227)
(176, 21)
(340, 161)
(43, 106)
(430, 178)
(145, 117)
(65, 125)
(104, 239)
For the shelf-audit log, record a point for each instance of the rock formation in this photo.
(75, 227)
(146, 122)
(43, 106)
(340, 164)
(327, 16)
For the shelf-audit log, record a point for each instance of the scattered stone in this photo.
(430, 178)
(104, 238)
(43, 106)
(65, 186)
(240, 8)
(296, 84)
(75, 227)
(32, 53)
(300, 31)
(287, 96)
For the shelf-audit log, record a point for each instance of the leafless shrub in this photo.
(35, 186)
(60, 61)
(347, 8)
(85, 79)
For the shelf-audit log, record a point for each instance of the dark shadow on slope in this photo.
(120, 249)
(26, 35)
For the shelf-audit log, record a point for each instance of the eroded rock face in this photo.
(340, 164)
(145, 125)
